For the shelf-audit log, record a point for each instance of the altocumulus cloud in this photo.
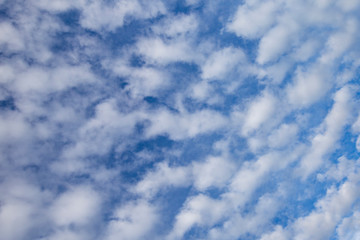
(180, 119)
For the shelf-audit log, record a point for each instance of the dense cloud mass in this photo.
(179, 119)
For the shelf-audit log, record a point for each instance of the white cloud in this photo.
(249, 177)
(308, 86)
(253, 18)
(220, 63)
(321, 223)
(15, 214)
(196, 212)
(258, 112)
(7, 73)
(275, 42)
(324, 142)
(156, 50)
(344, 168)
(185, 125)
(10, 37)
(339, 42)
(306, 50)
(348, 5)
(79, 206)
(132, 221)
(349, 228)
(68, 235)
(214, 172)
(277, 71)
(163, 176)
(177, 26)
(96, 136)
(201, 90)
(356, 125)
(13, 127)
(283, 136)
(253, 223)
(56, 5)
(277, 234)
(254, 174)
(64, 119)
(99, 15)
(21, 208)
(142, 81)
(44, 81)
(147, 81)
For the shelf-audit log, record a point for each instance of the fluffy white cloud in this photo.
(344, 168)
(201, 90)
(146, 81)
(324, 142)
(283, 136)
(339, 42)
(95, 137)
(356, 125)
(349, 228)
(320, 223)
(163, 177)
(275, 42)
(258, 112)
(220, 63)
(251, 223)
(348, 5)
(21, 208)
(77, 206)
(195, 212)
(78, 136)
(57, 5)
(214, 172)
(132, 221)
(177, 26)
(68, 234)
(98, 15)
(156, 50)
(356, 130)
(142, 81)
(249, 177)
(308, 86)
(13, 127)
(38, 80)
(277, 234)
(10, 38)
(253, 18)
(185, 125)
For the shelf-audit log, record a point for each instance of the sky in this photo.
(179, 119)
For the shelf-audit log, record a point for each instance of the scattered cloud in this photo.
(179, 119)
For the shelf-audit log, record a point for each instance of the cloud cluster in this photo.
(179, 119)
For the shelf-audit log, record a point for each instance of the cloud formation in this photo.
(179, 119)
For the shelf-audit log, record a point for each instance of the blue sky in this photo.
(179, 119)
